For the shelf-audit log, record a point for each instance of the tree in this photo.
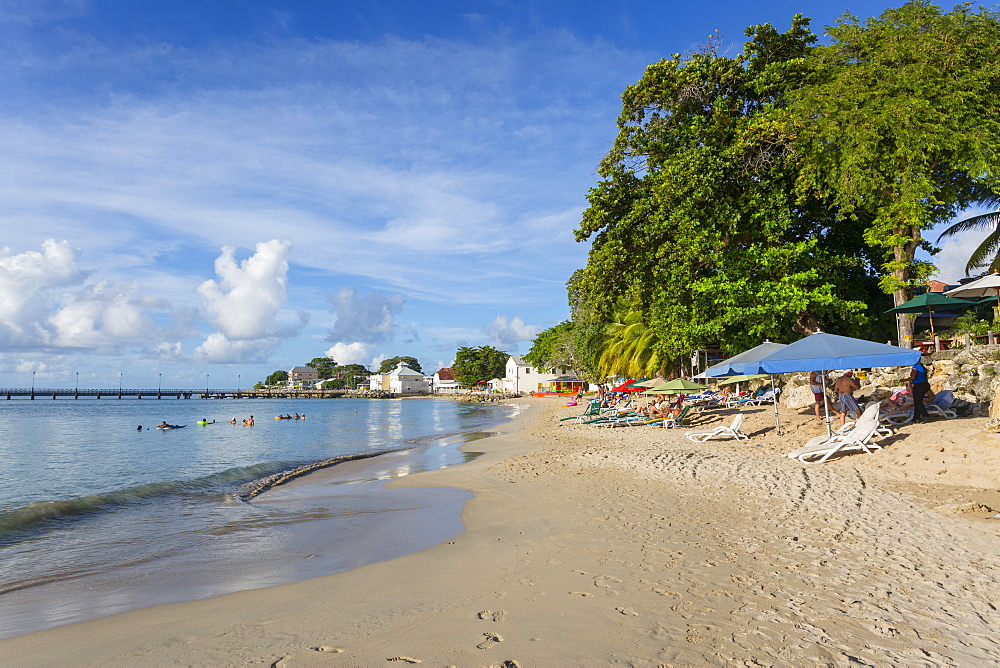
(697, 233)
(899, 122)
(391, 363)
(473, 365)
(276, 378)
(324, 366)
(349, 375)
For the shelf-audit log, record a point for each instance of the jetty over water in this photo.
(158, 393)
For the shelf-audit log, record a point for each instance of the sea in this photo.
(98, 516)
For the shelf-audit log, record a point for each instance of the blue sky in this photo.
(228, 188)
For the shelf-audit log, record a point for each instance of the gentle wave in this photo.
(40, 513)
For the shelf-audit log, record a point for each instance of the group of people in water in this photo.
(291, 417)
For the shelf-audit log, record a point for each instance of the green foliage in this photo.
(562, 346)
(899, 122)
(324, 366)
(968, 323)
(698, 234)
(473, 365)
(277, 378)
(347, 376)
(391, 363)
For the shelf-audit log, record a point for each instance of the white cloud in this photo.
(350, 353)
(47, 302)
(505, 333)
(217, 349)
(368, 319)
(244, 302)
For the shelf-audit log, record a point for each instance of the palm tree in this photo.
(627, 344)
(987, 254)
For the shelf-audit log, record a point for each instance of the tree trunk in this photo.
(902, 272)
(995, 406)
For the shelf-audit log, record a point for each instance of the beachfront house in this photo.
(523, 377)
(401, 380)
(444, 382)
(302, 375)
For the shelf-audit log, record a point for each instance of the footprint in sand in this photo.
(584, 594)
(497, 616)
(604, 582)
(491, 639)
(325, 648)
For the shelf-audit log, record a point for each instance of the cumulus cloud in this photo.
(505, 333)
(48, 302)
(350, 353)
(244, 304)
(218, 349)
(101, 315)
(368, 319)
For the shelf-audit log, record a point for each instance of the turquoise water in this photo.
(97, 516)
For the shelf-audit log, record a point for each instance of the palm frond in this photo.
(983, 221)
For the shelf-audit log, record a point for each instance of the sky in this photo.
(206, 191)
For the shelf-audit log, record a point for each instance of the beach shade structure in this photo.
(628, 386)
(676, 386)
(742, 378)
(930, 302)
(742, 363)
(987, 286)
(824, 352)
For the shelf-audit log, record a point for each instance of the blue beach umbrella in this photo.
(823, 352)
(743, 363)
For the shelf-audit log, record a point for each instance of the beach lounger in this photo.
(732, 431)
(594, 408)
(850, 438)
(941, 406)
(671, 422)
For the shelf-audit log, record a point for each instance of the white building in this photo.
(401, 380)
(520, 376)
(444, 381)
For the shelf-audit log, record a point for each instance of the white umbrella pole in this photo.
(826, 406)
(774, 400)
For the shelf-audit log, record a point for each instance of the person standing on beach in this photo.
(845, 387)
(818, 387)
(920, 387)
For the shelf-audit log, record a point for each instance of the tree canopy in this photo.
(391, 363)
(324, 366)
(473, 365)
(899, 122)
(783, 190)
(276, 378)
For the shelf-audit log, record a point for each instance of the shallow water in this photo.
(97, 517)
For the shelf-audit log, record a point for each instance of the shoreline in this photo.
(590, 546)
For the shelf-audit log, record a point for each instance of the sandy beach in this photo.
(587, 546)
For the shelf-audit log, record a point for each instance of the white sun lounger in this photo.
(857, 437)
(732, 431)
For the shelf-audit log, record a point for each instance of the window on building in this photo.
(527, 370)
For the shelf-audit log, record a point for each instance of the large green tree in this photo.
(697, 232)
(276, 378)
(562, 346)
(324, 366)
(899, 123)
(391, 363)
(473, 365)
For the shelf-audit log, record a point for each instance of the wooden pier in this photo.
(156, 393)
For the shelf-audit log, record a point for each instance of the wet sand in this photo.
(588, 546)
